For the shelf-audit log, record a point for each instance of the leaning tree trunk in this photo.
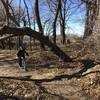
(43, 39)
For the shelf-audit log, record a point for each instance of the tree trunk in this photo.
(96, 29)
(54, 22)
(91, 9)
(7, 20)
(54, 32)
(28, 21)
(62, 23)
(12, 18)
(36, 8)
(8, 13)
(43, 39)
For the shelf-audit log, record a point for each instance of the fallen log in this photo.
(43, 39)
(6, 37)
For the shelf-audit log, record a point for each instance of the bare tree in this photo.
(8, 13)
(62, 17)
(55, 20)
(2, 16)
(14, 17)
(96, 29)
(91, 9)
(28, 20)
(37, 15)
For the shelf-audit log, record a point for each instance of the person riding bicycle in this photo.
(21, 54)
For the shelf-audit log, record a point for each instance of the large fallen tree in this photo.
(43, 39)
(6, 37)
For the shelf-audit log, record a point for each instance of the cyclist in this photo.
(21, 56)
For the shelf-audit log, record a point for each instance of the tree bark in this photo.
(54, 22)
(43, 39)
(91, 10)
(8, 13)
(62, 22)
(36, 8)
(96, 30)
(12, 18)
(28, 22)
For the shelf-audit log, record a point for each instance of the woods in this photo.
(27, 31)
(91, 15)
(62, 40)
(59, 14)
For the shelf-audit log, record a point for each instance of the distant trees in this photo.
(57, 9)
(54, 18)
(11, 16)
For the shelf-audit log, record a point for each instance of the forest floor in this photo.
(49, 78)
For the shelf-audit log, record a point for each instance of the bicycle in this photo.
(23, 64)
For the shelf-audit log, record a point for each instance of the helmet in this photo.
(20, 48)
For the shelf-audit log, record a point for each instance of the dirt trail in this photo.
(9, 67)
(84, 88)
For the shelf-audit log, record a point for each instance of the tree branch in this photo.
(8, 13)
(6, 37)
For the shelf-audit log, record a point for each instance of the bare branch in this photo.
(8, 13)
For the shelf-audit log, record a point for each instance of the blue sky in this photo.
(75, 22)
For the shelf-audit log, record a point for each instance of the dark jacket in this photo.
(21, 53)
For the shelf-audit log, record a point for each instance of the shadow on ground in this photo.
(7, 61)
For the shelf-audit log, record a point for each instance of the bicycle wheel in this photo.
(24, 64)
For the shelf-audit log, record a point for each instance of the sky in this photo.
(75, 22)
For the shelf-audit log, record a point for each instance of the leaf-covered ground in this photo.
(52, 78)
